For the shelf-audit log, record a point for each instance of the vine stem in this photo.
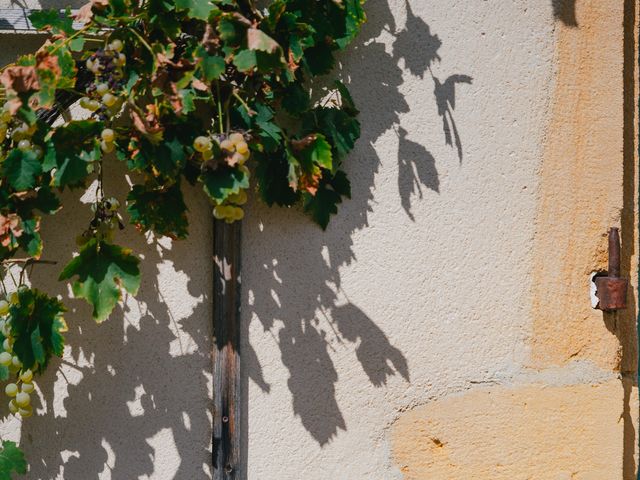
(142, 40)
(220, 122)
(79, 32)
(243, 103)
(28, 261)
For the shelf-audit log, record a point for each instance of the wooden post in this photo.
(227, 422)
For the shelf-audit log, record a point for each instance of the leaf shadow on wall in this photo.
(294, 288)
(419, 49)
(132, 396)
(565, 11)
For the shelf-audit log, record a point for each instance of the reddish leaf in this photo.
(20, 79)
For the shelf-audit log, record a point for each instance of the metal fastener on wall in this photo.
(611, 290)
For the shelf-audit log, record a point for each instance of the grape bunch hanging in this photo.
(214, 94)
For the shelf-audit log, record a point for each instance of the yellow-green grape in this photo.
(15, 361)
(102, 88)
(239, 198)
(218, 212)
(202, 144)
(5, 329)
(26, 412)
(5, 359)
(13, 408)
(107, 147)
(7, 345)
(108, 99)
(236, 158)
(26, 376)
(20, 132)
(227, 145)
(84, 102)
(207, 155)
(22, 399)
(24, 145)
(108, 135)
(4, 307)
(242, 147)
(238, 213)
(94, 105)
(116, 44)
(11, 389)
(121, 60)
(27, 387)
(5, 115)
(236, 138)
(14, 298)
(93, 66)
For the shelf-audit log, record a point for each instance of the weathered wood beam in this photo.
(227, 422)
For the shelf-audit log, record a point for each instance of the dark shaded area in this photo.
(304, 301)
(357, 328)
(416, 168)
(565, 11)
(445, 94)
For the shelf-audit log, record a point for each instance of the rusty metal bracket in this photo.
(611, 289)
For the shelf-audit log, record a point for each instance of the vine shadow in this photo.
(565, 11)
(298, 296)
(131, 398)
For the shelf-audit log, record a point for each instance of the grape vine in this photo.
(218, 93)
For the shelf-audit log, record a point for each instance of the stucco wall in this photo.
(441, 327)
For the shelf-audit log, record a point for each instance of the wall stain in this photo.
(581, 193)
(503, 433)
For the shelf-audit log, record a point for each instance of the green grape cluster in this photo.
(18, 132)
(106, 221)
(19, 391)
(104, 95)
(232, 150)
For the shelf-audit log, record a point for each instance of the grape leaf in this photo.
(166, 158)
(51, 20)
(21, 167)
(339, 127)
(103, 270)
(11, 460)
(160, 210)
(213, 66)
(272, 172)
(199, 9)
(30, 240)
(36, 326)
(354, 18)
(258, 40)
(325, 202)
(224, 181)
(72, 150)
(318, 152)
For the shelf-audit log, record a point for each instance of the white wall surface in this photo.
(419, 287)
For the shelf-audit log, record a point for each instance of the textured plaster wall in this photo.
(440, 328)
